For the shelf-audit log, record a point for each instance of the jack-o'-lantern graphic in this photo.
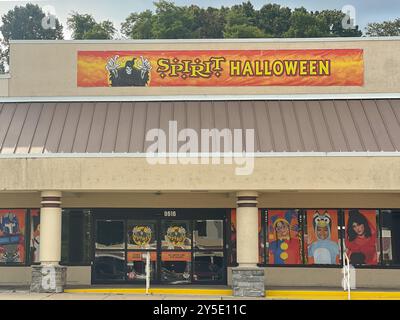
(141, 235)
(176, 235)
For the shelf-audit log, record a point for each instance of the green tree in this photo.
(334, 20)
(274, 20)
(172, 22)
(85, 27)
(304, 24)
(241, 22)
(3, 61)
(243, 31)
(27, 22)
(384, 29)
(138, 25)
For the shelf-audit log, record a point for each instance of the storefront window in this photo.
(284, 237)
(321, 237)
(12, 236)
(110, 234)
(142, 234)
(208, 266)
(76, 236)
(176, 235)
(176, 267)
(109, 265)
(361, 236)
(208, 234)
(136, 265)
(390, 221)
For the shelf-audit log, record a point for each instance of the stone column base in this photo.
(48, 279)
(248, 282)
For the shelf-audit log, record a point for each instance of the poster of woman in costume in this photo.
(322, 237)
(361, 236)
(283, 237)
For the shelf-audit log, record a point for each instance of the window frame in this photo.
(341, 224)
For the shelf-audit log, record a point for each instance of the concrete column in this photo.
(49, 276)
(247, 279)
(50, 228)
(247, 229)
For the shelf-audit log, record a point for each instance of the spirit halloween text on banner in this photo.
(224, 68)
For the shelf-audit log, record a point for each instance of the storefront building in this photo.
(100, 164)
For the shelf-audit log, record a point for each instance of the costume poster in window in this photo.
(12, 236)
(322, 237)
(35, 235)
(141, 235)
(284, 237)
(361, 236)
(233, 237)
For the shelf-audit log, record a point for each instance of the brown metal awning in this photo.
(280, 126)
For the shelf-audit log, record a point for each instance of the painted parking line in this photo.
(275, 294)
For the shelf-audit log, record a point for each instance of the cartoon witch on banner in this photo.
(283, 237)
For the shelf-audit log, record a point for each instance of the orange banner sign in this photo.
(141, 256)
(224, 68)
(176, 256)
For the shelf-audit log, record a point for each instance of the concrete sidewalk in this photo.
(26, 295)
(203, 293)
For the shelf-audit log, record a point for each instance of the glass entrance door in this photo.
(182, 251)
(176, 251)
(142, 238)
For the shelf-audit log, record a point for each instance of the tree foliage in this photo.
(138, 25)
(27, 22)
(170, 21)
(85, 27)
(383, 29)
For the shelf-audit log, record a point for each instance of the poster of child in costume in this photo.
(283, 237)
(12, 236)
(322, 237)
(361, 236)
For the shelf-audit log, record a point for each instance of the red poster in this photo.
(12, 236)
(322, 237)
(221, 68)
(361, 236)
(284, 237)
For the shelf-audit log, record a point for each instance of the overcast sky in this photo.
(118, 10)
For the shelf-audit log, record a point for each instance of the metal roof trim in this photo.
(294, 97)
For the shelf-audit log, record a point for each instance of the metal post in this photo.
(147, 272)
